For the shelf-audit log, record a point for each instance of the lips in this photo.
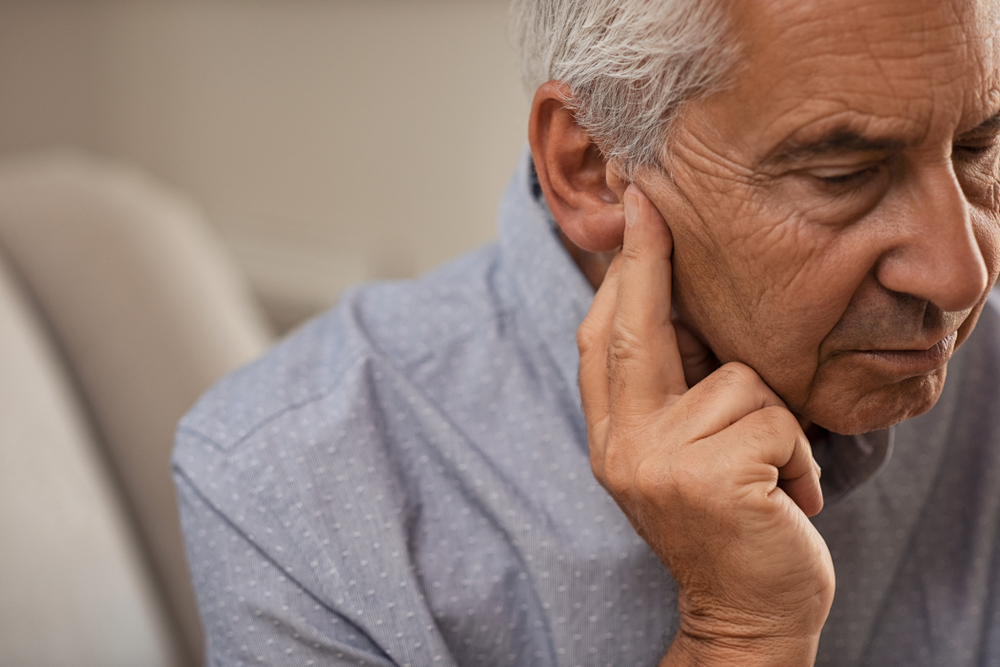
(912, 361)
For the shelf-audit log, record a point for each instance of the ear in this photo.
(583, 192)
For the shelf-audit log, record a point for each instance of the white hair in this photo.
(630, 64)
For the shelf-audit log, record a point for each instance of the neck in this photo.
(593, 265)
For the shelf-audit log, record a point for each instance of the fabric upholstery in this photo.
(75, 590)
(147, 312)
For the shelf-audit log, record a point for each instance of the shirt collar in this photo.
(848, 461)
(551, 287)
(556, 297)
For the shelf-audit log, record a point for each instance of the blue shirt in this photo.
(406, 482)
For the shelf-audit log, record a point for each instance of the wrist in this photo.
(690, 651)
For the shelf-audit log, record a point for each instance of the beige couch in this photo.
(117, 309)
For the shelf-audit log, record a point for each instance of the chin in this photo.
(852, 413)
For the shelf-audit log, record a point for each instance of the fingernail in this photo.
(631, 209)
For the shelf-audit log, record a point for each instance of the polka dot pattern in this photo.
(917, 551)
(406, 482)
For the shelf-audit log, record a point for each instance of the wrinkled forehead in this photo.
(888, 57)
(884, 26)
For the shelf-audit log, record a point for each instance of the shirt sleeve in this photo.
(253, 614)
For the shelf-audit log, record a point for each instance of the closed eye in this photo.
(848, 177)
(972, 149)
(838, 179)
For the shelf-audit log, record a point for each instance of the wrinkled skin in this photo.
(718, 478)
(827, 228)
(828, 269)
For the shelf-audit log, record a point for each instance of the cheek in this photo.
(768, 294)
(758, 278)
(795, 320)
(716, 291)
(986, 226)
(756, 267)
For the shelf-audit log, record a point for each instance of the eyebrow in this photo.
(846, 140)
(840, 140)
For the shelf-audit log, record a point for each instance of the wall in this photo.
(329, 141)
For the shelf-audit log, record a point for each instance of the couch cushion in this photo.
(146, 310)
(75, 590)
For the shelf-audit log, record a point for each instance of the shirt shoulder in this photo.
(404, 324)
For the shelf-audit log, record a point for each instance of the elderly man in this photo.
(805, 197)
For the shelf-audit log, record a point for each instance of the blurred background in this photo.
(328, 141)
(181, 183)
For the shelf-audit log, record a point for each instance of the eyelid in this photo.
(988, 127)
(831, 172)
(975, 146)
(978, 136)
(988, 134)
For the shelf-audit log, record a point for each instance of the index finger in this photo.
(643, 358)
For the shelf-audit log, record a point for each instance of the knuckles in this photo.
(735, 375)
(774, 422)
(642, 463)
(625, 344)
(731, 379)
(666, 475)
(587, 338)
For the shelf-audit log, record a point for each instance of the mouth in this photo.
(915, 360)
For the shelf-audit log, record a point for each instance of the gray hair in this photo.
(630, 64)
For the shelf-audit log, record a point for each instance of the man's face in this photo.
(836, 211)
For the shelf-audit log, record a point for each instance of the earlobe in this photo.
(583, 193)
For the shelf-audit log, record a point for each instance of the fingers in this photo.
(778, 442)
(799, 478)
(631, 368)
(644, 363)
(723, 398)
(592, 339)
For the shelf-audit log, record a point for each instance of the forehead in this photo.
(918, 65)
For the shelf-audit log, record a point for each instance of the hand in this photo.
(718, 478)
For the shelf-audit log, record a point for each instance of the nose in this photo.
(934, 254)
